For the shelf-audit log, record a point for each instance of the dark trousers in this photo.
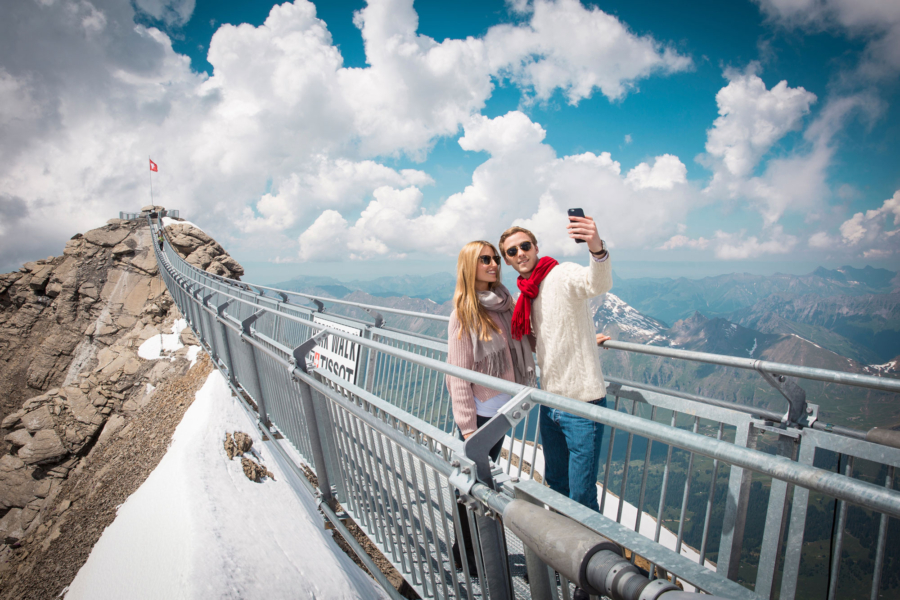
(464, 515)
(572, 453)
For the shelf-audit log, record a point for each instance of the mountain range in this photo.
(846, 319)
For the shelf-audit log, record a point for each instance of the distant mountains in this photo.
(865, 328)
(672, 299)
(437, 287)
(846, 319)
(409, 292)
(853, 312)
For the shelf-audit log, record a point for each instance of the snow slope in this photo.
(153, 347)
(198, 528)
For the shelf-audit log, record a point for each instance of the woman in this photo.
(479, 340)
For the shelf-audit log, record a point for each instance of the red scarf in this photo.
(521, 319)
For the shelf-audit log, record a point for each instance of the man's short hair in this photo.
(514, 230)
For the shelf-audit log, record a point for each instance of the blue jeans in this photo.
(572, 453)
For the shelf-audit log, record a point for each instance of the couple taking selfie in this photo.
(491, 333)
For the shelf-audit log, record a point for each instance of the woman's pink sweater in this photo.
(460, 353)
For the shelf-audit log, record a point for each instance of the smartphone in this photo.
(576, 212)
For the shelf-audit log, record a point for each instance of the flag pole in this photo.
(151, 183)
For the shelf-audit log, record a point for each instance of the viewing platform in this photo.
(696, 494)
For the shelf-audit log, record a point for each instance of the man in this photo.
(554, 307)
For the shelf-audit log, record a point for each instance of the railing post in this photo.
(491, 539)
(735, 518)
(223, 330)
(539, 572)
(209, 337)
(776, 517)
(255, 382)
(797, 527)
(370, 361)
(312, 423)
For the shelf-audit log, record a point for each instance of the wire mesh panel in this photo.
(405, 505)
(419, 390)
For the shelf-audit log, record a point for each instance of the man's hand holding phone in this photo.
(583, 229)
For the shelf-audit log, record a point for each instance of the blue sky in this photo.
(304, 154)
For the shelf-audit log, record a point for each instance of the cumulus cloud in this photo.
(869, 232)
(569, 47)
(821, 241)
(667, 172)
(524, 176)
(739, 246)
(683, 241)
(325, 239)
(751, 120)
(172, 12)
(875, 21)
(281, 130)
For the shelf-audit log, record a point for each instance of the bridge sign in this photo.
(337, 354)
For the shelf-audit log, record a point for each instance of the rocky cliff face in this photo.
(72, 382)
(56, 314)
(202, 251)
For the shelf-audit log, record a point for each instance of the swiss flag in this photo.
(153, 166)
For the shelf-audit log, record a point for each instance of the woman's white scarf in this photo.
(490, 355)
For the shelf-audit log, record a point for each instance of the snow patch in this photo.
(192, 353)
(888, 366)
(629, 319)
(153, 347)
(807, 341)
(198, 528)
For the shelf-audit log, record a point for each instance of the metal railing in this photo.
(363, 405)
(133, 216)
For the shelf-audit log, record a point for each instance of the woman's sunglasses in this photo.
(486, 260)
(513, 250)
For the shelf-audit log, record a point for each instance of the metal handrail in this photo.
(192, 289)
(855, 379)
(812, 373)
(812, 478)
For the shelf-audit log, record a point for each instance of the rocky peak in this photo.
(71, 374)
(200, 250)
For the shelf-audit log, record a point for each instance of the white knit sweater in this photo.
(566, 342)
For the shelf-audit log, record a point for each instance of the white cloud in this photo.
(342, 182)
(751, 120)
(325, 239)
(173, 12)
(868, 231)
(523, 176)
(507, 134)
(569, 47)
(683, 241)
(667, 172)
(739, 246)
(821, 241)
(281, 125)
(628, 138)
(876, 21)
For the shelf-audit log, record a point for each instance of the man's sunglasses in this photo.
(513, 250)
(486, 260)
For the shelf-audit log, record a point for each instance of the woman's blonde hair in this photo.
(471, 314)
